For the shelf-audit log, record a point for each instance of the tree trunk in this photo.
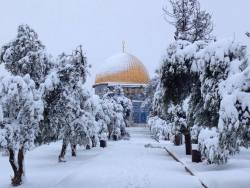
(73, 150)
(17, 168)
(188, 143)
(63, 152)
(110, 128)
(93, 140)
(12, 161)
(177, 139)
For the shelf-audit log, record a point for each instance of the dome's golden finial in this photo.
(123, 46)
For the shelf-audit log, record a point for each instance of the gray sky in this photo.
(101, 25)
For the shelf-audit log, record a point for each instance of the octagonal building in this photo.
(127, 71)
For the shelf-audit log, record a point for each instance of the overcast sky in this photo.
(101, 25)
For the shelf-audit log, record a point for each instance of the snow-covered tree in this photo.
(149, 93)
(159, 128)
(126, 104)
(194, 111)
(225, 92)
(102, 119)
(50, 91)
(158, 107)
(177, 81)
(26, 55)
(115, 112)
(118, 109)
(74, 114)
(108, 108)
(190, 22)
(20, 112)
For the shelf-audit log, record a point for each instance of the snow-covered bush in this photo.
(125, 102)
(20, 112)
(118, 108)
(209, 146)
(97, 128)
(115, 112)
(159, 128)
(102, 119)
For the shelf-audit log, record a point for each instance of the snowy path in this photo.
(123, 164)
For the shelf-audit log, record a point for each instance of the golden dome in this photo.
(123, 68)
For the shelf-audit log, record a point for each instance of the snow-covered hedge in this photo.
(209, 145)
(159, 128)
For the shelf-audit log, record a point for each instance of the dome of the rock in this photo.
(126, 71)
(123, 68)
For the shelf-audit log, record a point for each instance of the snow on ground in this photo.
(123, 164)
(234, 174)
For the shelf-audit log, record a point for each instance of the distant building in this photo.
(128, 72)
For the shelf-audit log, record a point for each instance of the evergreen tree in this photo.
(158, 107)
(26, 55)
(126, 104)
(102, 119)
(21, 111)
(118, 109)
(177, 81)
(225, 95)
(149, 93)
(75, 118)
(50, 91)
(190, 22)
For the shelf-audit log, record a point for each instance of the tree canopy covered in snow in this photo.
(118, 108)
(21, 110)
(26, 55)
(213, 77)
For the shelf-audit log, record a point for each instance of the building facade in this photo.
(128, 72)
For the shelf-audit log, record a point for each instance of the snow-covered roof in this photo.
(118, 62)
